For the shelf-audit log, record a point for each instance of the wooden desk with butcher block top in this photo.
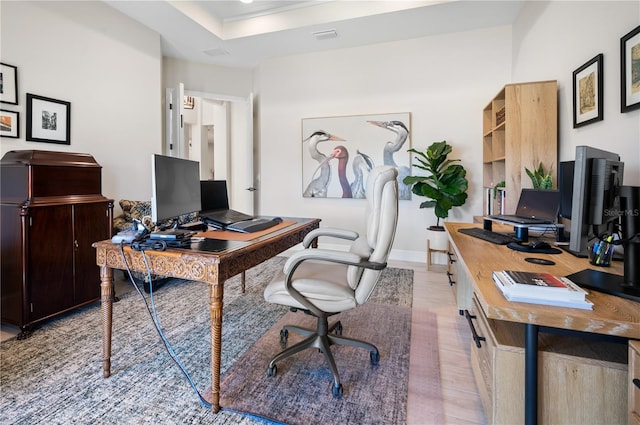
(530, 361)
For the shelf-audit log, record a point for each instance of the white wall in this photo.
(235, 82)
(108, 67)
(552, 39)
(444, 81)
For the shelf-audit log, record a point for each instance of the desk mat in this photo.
(228, 235)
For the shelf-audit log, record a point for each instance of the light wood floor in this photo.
(431, 292)
(460, 395)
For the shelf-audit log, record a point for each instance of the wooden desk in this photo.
(199, 264)
(611, 315)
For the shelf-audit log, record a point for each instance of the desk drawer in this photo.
(580, 380)
(452, 270)
(498, 366)
(634, 382)
(459, 280)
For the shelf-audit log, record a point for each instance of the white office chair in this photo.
(325, 282)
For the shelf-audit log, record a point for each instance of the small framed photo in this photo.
(48, 120)
(8, 84)
(630, 70)
(588, 92)
(9, 124)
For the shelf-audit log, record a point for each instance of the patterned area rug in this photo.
(372, 394)
(55, 377)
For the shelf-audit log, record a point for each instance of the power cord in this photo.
(154, 317)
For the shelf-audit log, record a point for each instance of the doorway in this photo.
(216, 131)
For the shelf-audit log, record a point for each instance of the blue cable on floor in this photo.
(156, 322)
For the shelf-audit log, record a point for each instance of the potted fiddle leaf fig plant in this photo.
(445, 185)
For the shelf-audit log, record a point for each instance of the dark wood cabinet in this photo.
(52, 211)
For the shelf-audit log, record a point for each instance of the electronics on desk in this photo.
(535, 206)
(194, 226)
(125, 236)
(488, 235)
(137, 232)
(215, 204)
(254, 225)
(171, 234)
(175, 187)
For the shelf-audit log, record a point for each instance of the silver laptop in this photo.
(215, 204)
(534, 207)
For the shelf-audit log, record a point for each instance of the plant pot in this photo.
(438, 238)
(437, 246)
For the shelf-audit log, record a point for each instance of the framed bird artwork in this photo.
(339, 152)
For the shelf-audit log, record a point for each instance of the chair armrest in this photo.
(341, 257)
(331, 232)
(331, 256)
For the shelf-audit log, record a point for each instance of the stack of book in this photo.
(541, 288)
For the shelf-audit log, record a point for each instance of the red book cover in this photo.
(537, 279)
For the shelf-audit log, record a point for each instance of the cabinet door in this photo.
(91, 224)
(50, 262)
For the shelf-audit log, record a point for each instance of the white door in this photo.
(243, 185)
(174, 122)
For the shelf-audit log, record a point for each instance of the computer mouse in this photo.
(277, 220)
(539, 245)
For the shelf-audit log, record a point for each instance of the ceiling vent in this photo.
(325, 35)
(219, 51)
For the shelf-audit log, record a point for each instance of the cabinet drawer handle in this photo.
(636, 382)
(477, 338)
(452, 258)
(451, 281)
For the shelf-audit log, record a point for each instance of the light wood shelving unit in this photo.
(520, 129)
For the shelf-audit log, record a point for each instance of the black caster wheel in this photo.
(374, 356)
(284, 337)
(338, 329)
(272, 370)
(337, 391)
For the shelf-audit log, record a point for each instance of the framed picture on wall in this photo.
(630, 70)
(9, 124)
(588, 92)
(8, 84)
(48, 120)
(339, 151)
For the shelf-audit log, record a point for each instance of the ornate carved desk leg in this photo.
(215, 306)
(106, 288)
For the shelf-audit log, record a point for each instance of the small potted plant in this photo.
(539, 178)
(445, 186)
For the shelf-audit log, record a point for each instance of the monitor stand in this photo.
(608, 283)
(579, 254)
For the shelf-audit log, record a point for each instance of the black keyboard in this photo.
(488, 235)
(254, 225)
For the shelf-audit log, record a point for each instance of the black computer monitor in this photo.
(595, 203)
(175, 187)
(565, 187)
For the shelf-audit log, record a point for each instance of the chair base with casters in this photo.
(322, 338)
